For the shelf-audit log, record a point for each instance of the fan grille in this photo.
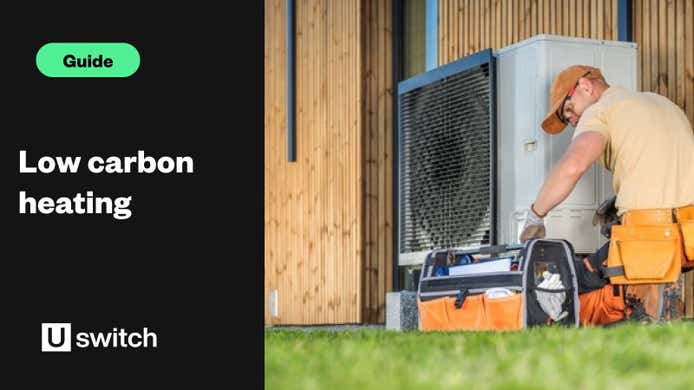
(446, 163)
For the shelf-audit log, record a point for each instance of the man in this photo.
(647, 142)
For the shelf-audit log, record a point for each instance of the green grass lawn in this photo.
(628, 356)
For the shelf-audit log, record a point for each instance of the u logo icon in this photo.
(56, 337)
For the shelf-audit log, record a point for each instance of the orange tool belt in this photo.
(651, 246)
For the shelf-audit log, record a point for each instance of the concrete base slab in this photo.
(401, 311)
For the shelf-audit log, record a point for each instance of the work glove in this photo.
(606, 215)
(533, 227)
(551, 303)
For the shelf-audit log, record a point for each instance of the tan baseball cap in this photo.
(561, 85)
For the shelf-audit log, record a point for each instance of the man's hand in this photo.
(534, 227)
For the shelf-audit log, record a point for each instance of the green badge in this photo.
(75, 59)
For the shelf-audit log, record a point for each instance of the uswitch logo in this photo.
(57, 337)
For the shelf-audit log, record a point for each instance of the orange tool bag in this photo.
(542, 290)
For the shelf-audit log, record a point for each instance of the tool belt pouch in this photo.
(685, 218)
(644, 254)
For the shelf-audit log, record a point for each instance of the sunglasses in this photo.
(560, 112)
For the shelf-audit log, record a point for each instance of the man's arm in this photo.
(583, 151)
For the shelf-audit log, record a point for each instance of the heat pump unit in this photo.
(527, 154)
(472, 155)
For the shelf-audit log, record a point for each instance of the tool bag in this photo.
(469, 301)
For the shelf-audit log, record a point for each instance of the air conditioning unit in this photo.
(527, 154)
(472, 155)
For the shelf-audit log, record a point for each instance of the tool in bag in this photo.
(542, 291)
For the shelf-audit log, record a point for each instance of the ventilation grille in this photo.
(445, 162)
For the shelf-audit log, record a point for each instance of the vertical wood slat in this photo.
(600, 22)
(491, 24)
(646, 44)
(369, 124)
(371, 195)
(607, 25)
(593, 19)
(671, 52)
(578, 18)
(472, 27)
(311, 117)
(324, 170)
(352, 302)
(615, 22)
(529, 22)
(379, 267)
(291, 287)
(350, 266)
(496, 30)
(464, 29)
(484, 21)
(564, 9)
(507, 24)
(586, 18)
(571, 17)
(662, 48)
(655, 42)
(445, 20)
(552, 16)
(388, 242)
(534, 20)
(541, 17)
(475, 23)
(514, 24)
(637, 23)
(451, 36)
(303, 108)
(377, 198)
(310, 114)
(370, 227)
(521, 20)
(679, 63)
(459, 24)
(271, 69)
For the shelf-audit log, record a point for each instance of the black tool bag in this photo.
(556, 257)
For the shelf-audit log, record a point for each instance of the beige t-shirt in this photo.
(650, 148)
